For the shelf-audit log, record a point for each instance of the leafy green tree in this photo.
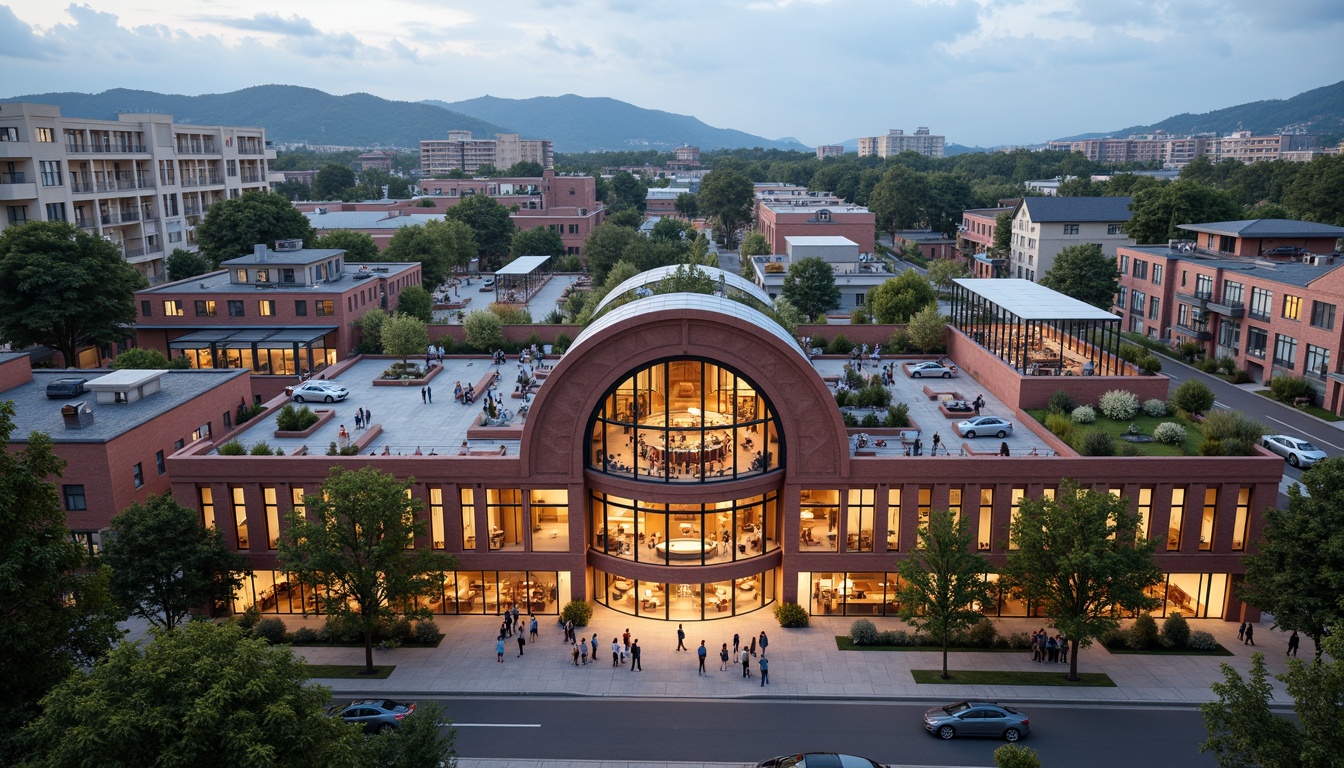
(293, 189)
(646, 253)
(358, 246)
(1296, 569)
(441, 248)
(416, 302)
(948, 195)
(65, 288)
(1317, 190)
(353, 544)
(491, 225)
(370, 326)
(403, 336)
(232, 227)
(142, 359)
(787, 315)
(484, 330)
(1193, 396)
(901, 298)
(688, 278)
(537, 241)
(207, 695)
(420, 742)
(686, 205)
(165, 563)
(927, 329)
(1003, 232)
(625, 192)
(898, 199)
(725, 198)
(332, 181)
(943, 271)
(603, 248)
(183, 264)
(943, 580)
(628, 218)
(1085, 273)
(1156, 212)
(670, 230)
(699, 252)
(754, 244)
(55, 615)
(1081, 559)
(525, 168)
(810, 286)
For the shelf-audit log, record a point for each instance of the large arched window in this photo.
(685, 420)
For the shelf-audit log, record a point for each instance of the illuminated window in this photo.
(1177, 514)
(954, 504)
(1015, 511)
(1207, 519)
(923, 508)
(986, 514)
(266, 307)
(436, 518)
(173, 308)
(240, 516)
(859, 521)
(1241, 522)
(271, 506)
(1145, 511)
(207, 506)
(1292, 307)
(296, 500)
(468, 497)
(820, 519)
(893, 519)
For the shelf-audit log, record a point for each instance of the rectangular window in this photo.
(1292, 307)
(468, 497)
(9, 133)
(1206, 521)
(173, 308)
(205, 307)
(44, 135)
(266, 307)
(1070, 229)
(986, 516)
(436, 518)
(1204, 286)
(1323, 315)
(1114, 229)
(159, 463)
(178, 444)
(75, 501)
(1285, 350)
(1157, 274)
(1233, 294)
(18, 214)
(1318, 361)
(1262, 303)
(1154, 308)
(1140, 269)
(240, 515)
(893, 519)
(55, 211)
(1121, 297)
(923, 509)
(144, 308)
(207, 495)
(271, 506)
(1015, 510)
(1124, 264)
(549, 509)
(1242, 520)
(300, 308)
(1256, 341)
(820, 519)
(236, 308)
(50, 171)
(859, 520)
(325, 307)
(138, 474)
(1145, 512)
(240, 275)
(1177, 516)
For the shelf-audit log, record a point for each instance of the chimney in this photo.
(76, 415)
(259, 251)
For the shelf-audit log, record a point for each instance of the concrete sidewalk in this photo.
(804, 663)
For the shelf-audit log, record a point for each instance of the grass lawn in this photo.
(1314, 410)
(349, 671)
(1220, 651)
(1145, 423)
(358, 644)
(991, 677)
(843, 643)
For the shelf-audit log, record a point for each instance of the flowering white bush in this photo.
(1155, 408)
(1169, 432)
(1119, 405)
(1083, 414)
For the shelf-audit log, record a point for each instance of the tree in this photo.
(440, 247)
(370, 326)
(142, 359)
(686, 205)
(754, 244)
(537, 241)
(358, 246)
(1315, 192)
(207, 695)
(1156, 212)
(1193, 396)
(65, 288)
(489, 222)
(184, 264)
(232, 227)
(332, 181)
(625, 192)
(628, 218)
(902, 297)
(165, 563)
(943, 271)
(948, 195)
(943, 580)
(725, 198)
(1003, 233)
(418, 743)
(898, 199)
(416, 302)
(525, 168)
(484, 330)
(1081, 559)
(670, 230)
(403, 336)
(810, 286)
(1085, 273)
(603, 248)
(699, 253)
(55, 616)
(293, 189)
(927, 329)
(354, 547)
(1296, 569)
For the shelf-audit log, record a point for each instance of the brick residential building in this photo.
(815, 216)
(975, 240)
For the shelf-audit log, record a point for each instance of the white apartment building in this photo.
(1044, 226)
(460, 152)
(898, 141)
(140, 181)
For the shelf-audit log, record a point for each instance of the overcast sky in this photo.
(981, 72)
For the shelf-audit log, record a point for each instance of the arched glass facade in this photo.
(685, 601)
(685, 534)
(685, 420)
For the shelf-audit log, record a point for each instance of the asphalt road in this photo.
(728, 731)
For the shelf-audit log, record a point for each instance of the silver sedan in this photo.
(1294, 450)
(977, 718)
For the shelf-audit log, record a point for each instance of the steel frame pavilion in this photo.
(1013, 317)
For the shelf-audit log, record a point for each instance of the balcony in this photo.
(105, 149)
(1233, 309)
(14, 149)
(251, 178)
(1198, 299)
(81, 187)
(1194, 333)
(84, 222)
(13, 186)
(250, 150)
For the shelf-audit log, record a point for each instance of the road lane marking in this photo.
(493, 725)
(1217, 404)
(1308, 434)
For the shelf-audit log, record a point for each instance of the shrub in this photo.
(1240, 376)
(863, 632)
(1119, 405)
(1016, 756)
(1177, 630)
(874, 396)
(1126, 448)
(1208, 366)
(339, 629)
(1083, 414)
(249, 618)
(1115, 638)
(1019, 641)
(1095, 442)
(791, 615)
(1149, 364)
(1060, 402)
(305, 636)
(1190, 350)
(1201, 641)
(291, 419)
(1143, 633)
(272, 630)
(1169, 432)
(232, 448)
(399, 629)
(849, 420)
(1227, 364)
(1193, 395)
(1211, 447)
(1288, 388)
(425, 632)
(578, 611)
(891, 637)
(842, 398)
(982, 634)
(1155, 408)
(870, 421)
(898, 415)
(262, 448)
(1060, 425)
(1228, 425)
(562, 342)
(839, 345)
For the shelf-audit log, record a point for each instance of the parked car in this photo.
(1295, 450)
(819, 760)
(66, 387)
(318, 390)
(933, 368)
(977, 718)
(375, 715)
(985, 425)
(1286, 250)
(488, 284)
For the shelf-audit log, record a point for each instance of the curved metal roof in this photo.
(688, 302)
(661, 273)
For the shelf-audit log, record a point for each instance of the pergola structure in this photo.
(521, 276)
(1038, 331)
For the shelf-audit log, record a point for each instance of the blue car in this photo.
(375, 715)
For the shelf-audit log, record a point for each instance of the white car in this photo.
(323, 391)
(984, 426)
(933, 368)
(1295, 450)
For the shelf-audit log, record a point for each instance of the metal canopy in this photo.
(522, 265)
(1032, 301)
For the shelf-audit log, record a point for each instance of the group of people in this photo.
(1044, 647)
(512, 625)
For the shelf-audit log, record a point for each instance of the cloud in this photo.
(21, 42)
(294, 26)
(550, 42)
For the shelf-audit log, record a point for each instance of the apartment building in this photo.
(379, 159)
(897, 141)
(1179, 151)
(140, 181)
(662, 201)
(1044, 226)
(975, 241)
(819, 216)
(830, 150)
(1263, 292)
(684, 159)
(460, 152)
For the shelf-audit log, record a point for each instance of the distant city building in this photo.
(1044, 226)
(662, 201)
(975, 240)
(856, 272)
(460, 152)
(685, 158)
(830, 150)
(897, 141)
(380, 159)
(1178, 151)
(931, 245)
(140, 181)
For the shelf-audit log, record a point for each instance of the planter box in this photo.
(323, 416)
(420, 382)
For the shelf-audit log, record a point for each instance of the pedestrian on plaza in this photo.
(569, 629)
(765, 671)
(1241, 632)
(634, 657)
(574, 652)
(702, 652)
(1250, 634)
(429, 392)
(521, 642)
(424, 397)
(359, 421)
(583, 653)
(616, 651)
(753, 646)
(1052, 649)
(764, 642)
(746, 663)
(594, 643)
(532, 629)
(1063, 648)
(681, 638)
(736, 646)
(499, 649)
(1293, 642)
(514, 613)
(937, 441)
(625, 638)
(723, 658)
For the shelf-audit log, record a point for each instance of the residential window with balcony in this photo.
(1323, 315)
(1229, 334)
(1285, 351)
(1233, 293)
(1256, 341)
(1292, 307)
(9, 133)
(1262, 303)
(1317, 361)
(55, 211)
(1204, 286)
(18, 214)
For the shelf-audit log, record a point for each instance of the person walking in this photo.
(746, 663)
(1241, 632)
(521, 642)
(723, 658)
(532, 630)
(616, 651)
(753, 646)
(625, 638)
(594, 644)
(634, 657)
(429, 392)
(583, 653)
(499, 649)
(1293, 642)
(736, 645)
(574, 652)
(702, 652)
(681, 638)
(1250, 634)
(937, 441)
(424, 397)
(765, 670)
(764, 642)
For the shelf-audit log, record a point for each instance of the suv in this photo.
(66, 388)
(375, 715)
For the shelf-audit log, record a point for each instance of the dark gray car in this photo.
(977, 718)
(375, 715)
(819, 760)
